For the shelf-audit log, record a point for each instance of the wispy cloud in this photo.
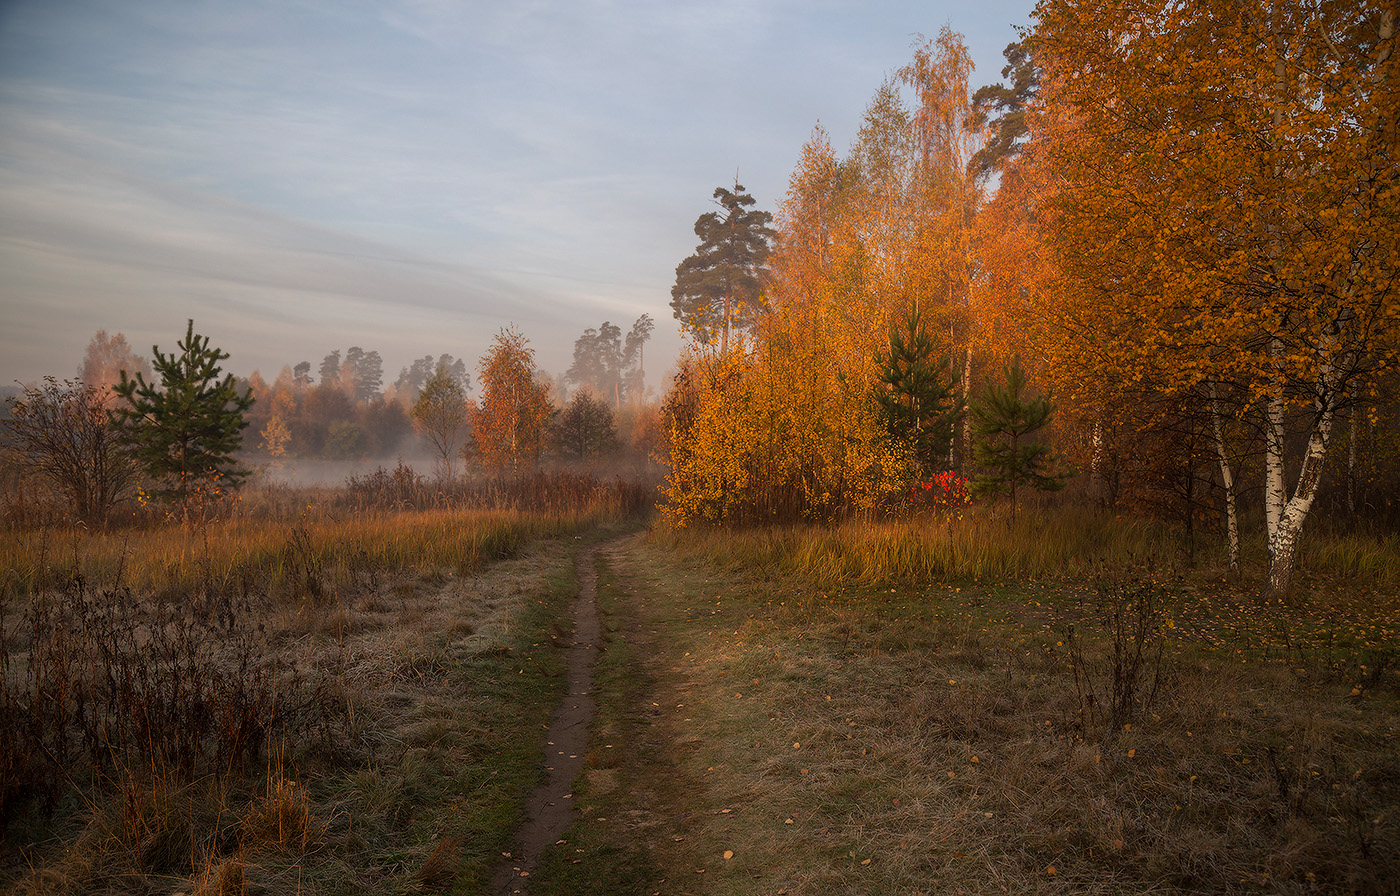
(408, 175)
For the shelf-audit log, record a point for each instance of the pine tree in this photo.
(717, 288)
(186, 429)
(1003, 422)
(917, 395)
(585, 429)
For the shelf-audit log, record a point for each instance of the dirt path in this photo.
(550, 808)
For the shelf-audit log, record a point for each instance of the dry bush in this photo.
(98, 679)
(1119, 678)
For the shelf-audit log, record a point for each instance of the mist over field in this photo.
(311, 472)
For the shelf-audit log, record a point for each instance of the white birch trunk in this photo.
(1283, 552)
(1098, 484)
(1275, 489)
(1227, 479)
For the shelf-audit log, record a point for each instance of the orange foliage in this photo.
(508, 425)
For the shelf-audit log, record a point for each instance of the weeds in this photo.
(105, 681)
(1130, 618)
(288, 697)
(937, 738)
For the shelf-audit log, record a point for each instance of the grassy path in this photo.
(758, 736)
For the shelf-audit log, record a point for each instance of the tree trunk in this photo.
(1098, 486)
(1283, 545)
(724, 333)
(1227, 479)
(967, 403)
(1275, 490)
(1351, 454)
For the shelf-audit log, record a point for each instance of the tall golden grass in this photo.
(1053, 541)
(278, 534)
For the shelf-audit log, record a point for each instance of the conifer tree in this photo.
(585, 429)
(916, 394)
(1003, 423)
(185, 429)
(718, 288)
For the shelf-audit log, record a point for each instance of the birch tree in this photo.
(1229, 209)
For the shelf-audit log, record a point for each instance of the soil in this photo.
(550, 809)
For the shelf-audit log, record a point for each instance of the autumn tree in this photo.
(784, 424)
(1226, 221)
(1006, 449)
(62, 434)
(508, 425)
(946, 191)
(104, 360)
(442, 415)
(185, 429)
(274, 439)
(719, 288)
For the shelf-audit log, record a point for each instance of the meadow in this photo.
(1062, 710)
(308, 690)
(343, 690)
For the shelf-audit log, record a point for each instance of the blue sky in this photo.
(408, 176)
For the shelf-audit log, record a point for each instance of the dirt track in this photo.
(550, 809)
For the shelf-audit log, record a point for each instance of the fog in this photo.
(317, 472)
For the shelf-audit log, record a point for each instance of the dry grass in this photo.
(791, 738)
(1057, 540)
(405, 665)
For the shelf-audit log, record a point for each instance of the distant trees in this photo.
(412, 377)
(609, 365)
(330, 368)
(362, 373)
(302, 373)
(719, 287)
(508, 426)
(105, 359)
(185, 429)
(62, 434)
(441, 415)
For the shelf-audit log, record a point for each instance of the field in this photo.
(351, 697)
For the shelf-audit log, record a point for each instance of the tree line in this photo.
(1177, 225)
(172, 431)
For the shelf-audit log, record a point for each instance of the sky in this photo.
(408, 176)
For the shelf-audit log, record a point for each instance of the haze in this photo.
(406, 176)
